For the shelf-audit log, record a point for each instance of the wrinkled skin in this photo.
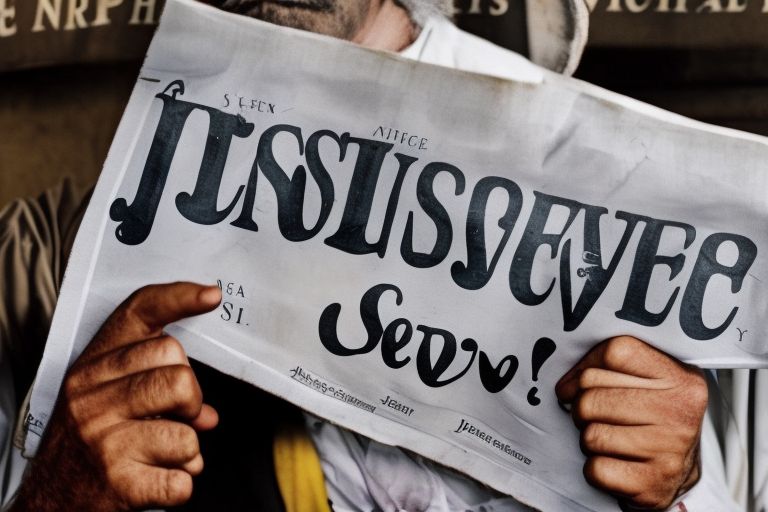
(640, 414)
(335, 18)
(123, 434)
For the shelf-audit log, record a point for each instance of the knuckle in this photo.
(70, 388)
(169, 349)
(130, 311)
(655, 492)
(125, 313)
(182, 381)
(184, 387)
(135, 298)
(116, 479)
(679, 437)
(647, 499)
(693, 400)
(108, 452)
(698, 394)
(620, 349)
(184, 439)
(591, 471)
(588, 377)
(175, 488)
(669, 467)
(76, 408)
(195, 466)
(661, 498)
(119, 361)
(591, 437)
(188, 440)
(139, 387)
(586, 406)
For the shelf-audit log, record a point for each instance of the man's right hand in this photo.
(123, 434)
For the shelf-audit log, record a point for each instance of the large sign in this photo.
(413, 252)
(53, 32)
(699, 24)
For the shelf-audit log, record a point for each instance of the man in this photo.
(130, 430)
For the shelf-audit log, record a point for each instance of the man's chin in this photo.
(314, 5)
(255, 8)
(329, 17)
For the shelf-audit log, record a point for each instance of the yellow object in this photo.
(299, 474)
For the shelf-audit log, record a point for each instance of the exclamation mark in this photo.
(542, 349)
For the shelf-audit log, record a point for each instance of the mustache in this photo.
(247, 6)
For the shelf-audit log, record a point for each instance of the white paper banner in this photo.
(413, 252)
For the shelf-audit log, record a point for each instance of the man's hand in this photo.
(640, 414)
(123, 433)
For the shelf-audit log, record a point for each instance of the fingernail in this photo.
(211, 295)
(565, 407)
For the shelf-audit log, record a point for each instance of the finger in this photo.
(144, 314)
(170, 444)
(195, 466)
(615, 476)
(128, 360)
(591, 377)
(638, 443)
(148, 487)
(157, 442)
(206, 420)
(638, 485)
(165, 391)
(623, 354)
(620, 407)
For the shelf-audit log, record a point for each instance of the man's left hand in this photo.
(640, 413)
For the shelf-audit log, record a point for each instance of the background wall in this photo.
(56, 122)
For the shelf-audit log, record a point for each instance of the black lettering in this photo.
(491, 377)
(646, 258)
(136, 219)
(533, 238)
(369, 313)
(290, 191)
(227, 314)
(434, 209)
(597, 277)
(390, 343)
(200, 206)
(350, 236)
(707, 266)
(245, 219)
(477, 272)
(430, 374)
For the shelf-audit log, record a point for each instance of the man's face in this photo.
(337, 18)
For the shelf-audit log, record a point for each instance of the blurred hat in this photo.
(557, 33)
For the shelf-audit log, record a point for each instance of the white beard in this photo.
(421, 10)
